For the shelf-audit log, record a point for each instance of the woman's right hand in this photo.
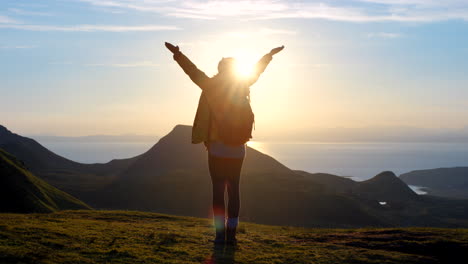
(172, 48)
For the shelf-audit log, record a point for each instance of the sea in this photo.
(357, 160)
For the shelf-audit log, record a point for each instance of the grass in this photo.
(137, 237)
(21, 191)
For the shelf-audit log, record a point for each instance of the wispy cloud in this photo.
(7, 20)
(60, 63)
(385, 35)
(366, 11)
(125, 65)
(28, 13)
(18, 47)
(90, 28)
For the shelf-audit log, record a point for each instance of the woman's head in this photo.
(227, 65)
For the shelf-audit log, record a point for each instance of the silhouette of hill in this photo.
(172, 177)
(389, 199)
(78, 179)
(449, 182)
(387, 187)
(331, 182)
(137, 237)
(22, 192)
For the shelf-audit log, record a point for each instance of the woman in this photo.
(223, 122)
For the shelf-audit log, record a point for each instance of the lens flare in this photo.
(244, 65)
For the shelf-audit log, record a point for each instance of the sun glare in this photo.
(257, 145)
(244, 65)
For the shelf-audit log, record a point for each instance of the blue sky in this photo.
(81, 67)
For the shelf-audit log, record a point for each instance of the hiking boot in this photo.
(220, 236)
(231, 236)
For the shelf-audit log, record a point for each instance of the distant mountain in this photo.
(331, 182)
(384, 187)
(449, 182)
(75, 178)
(387, 187)
(22, 192)
(390, 199)
(172, 177)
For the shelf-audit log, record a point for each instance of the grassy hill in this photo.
(172, 177)
(72, 177)
(22, 192)
(137, 237)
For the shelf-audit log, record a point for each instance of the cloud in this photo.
(28, 13)
(60, 63)
(7, 20)
(350, 11)
(18, 47)
(90, 28)
(385, 35)
(125, 65)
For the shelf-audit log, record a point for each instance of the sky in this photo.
(86, 67)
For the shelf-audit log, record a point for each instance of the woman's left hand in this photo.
(172, 48)
(276, 50)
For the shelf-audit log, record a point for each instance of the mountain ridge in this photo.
(172, 177)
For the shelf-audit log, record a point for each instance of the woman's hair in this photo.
(226, 64)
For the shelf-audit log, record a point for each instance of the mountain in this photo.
(448, 182)
(330, 182)
(172, 177)
(386, 187)
(138, 237)
(78, 179)
(389, 199)
(22, 192)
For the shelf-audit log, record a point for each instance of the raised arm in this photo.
(195, 74)
(263, 63)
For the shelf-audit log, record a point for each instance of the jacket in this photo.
(214, 92)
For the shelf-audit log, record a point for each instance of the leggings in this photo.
(225, 174)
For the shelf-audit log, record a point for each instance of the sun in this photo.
(244, 65)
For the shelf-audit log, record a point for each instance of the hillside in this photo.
(172, 177)
(136, 237)
(448, 182)
(78, 179)
(22, 192)
(386, 186)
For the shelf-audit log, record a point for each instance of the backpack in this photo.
(236, 122)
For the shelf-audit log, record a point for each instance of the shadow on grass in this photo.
(222, 255)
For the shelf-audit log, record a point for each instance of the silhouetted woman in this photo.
(224, 123)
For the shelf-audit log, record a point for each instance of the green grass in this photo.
(137, 237)
(22, 191)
